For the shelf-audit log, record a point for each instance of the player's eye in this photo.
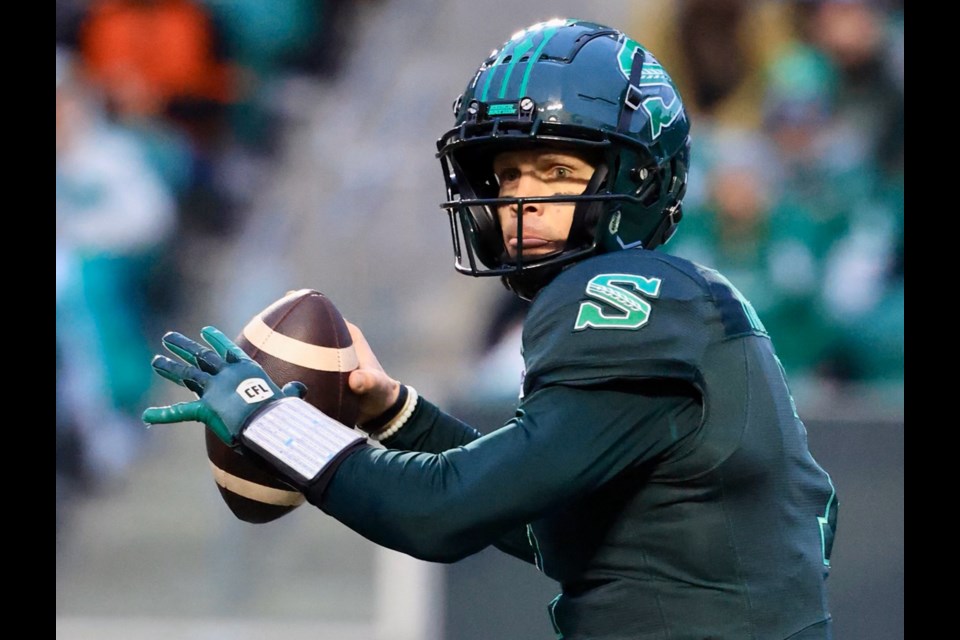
(562, 173)
(508, 175)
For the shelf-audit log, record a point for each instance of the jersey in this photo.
(656, 466)
(726, 535)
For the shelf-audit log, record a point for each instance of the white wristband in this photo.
(401, 418)
(300, 436)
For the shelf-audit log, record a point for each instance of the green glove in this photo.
(230, 386)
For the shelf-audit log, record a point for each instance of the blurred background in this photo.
(214, 154)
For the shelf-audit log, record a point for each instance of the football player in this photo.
(656, 466)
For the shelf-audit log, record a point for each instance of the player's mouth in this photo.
(532, 246)
(529, 242)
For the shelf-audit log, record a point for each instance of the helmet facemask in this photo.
(475, 224)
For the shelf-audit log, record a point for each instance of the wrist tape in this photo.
(407, 403)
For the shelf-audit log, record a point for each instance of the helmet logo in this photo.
(662, 108)
(652, 70)
(662, 114)
(614, 223)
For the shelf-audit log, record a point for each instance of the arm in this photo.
(431, 432)
(565, 442)
(445, 432)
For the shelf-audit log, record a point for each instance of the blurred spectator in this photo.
(113, 218)
(264, 39)
(769, 249)
(865, 44)
(163, 69)
(798, 137)
(859, 161)
(864, 291)
(822, 170)
(158, 57)
(874, 338)
(717, 50)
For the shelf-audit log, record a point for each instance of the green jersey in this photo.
(656, 466)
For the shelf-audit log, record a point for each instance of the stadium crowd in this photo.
(170, 113)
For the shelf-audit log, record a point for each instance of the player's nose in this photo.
(530, 186)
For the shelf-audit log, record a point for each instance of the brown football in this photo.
(301, 337)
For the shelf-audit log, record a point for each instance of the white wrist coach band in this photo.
(298, 435)
(392, 427)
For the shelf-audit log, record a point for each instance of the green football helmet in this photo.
(572, 84)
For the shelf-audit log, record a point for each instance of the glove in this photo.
(230, 385)
(242, 406)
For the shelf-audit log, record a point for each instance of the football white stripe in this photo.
(298, 352)
(254, 491)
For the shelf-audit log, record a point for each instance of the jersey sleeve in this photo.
(615, 319)
(431, 432)
(563, 443)
(435, 432)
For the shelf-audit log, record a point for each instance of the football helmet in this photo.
(574, 84)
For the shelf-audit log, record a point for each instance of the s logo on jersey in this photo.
(624, 309)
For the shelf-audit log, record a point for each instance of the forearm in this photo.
(434, 432)
(444, 506)
(440, 506)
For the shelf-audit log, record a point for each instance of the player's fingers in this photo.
(377, 391)
(193, 352)
(182, 374)
(181, 412)
(375, 384)
(361, 382)
(223, 345)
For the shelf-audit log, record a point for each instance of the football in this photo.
(301, 336)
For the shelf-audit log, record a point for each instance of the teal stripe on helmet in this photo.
(516, 48)
(525, 45)
(549, 33)
(493, 69)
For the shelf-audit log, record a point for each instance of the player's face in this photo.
(539, 172)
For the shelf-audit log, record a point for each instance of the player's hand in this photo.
(378, 391)
(230, 386)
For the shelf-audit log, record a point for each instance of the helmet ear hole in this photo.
(650, 180)
(678, 183)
